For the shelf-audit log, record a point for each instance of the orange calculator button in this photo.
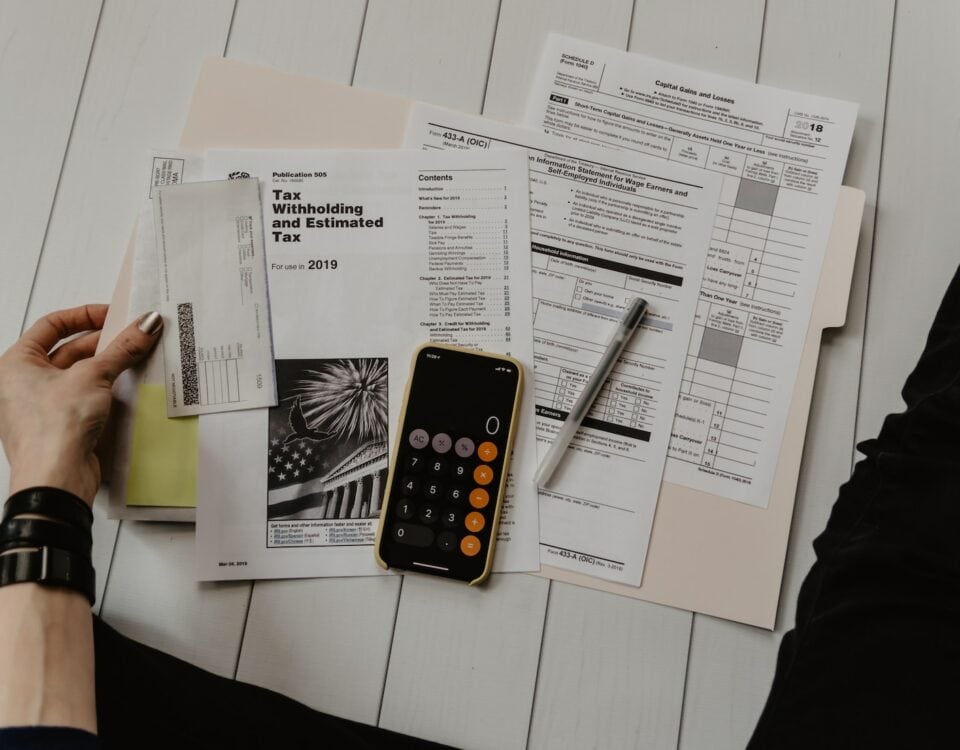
(469, 545)
(487, 451)
(483, 474)
(479, 497)
(474, 521)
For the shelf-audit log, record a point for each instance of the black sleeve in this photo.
(47, 738)
(874, 658)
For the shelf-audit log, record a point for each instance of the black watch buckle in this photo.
(49, 566)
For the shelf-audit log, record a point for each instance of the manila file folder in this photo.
(707, 553)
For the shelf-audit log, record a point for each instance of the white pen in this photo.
(625, 328)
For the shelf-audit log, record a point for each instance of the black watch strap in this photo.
(32, 532)
(49, 566)
(50, 502)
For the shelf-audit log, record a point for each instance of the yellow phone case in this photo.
(501, 487)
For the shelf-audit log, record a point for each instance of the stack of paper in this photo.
(709, 197)
(781, 156)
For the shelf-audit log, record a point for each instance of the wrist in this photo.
(56, 461)
(48, 667)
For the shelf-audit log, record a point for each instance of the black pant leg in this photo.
(874, 658)
(147, 699)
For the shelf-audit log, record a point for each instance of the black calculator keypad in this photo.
(445, 492)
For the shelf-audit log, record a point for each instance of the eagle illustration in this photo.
(302, 431)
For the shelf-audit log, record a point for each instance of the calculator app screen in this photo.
(448, 472)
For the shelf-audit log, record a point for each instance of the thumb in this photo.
(130, 346)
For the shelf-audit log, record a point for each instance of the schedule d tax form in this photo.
(603, 231)
(782, 156)
(369, 254)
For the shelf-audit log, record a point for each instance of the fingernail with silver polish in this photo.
(151, 323)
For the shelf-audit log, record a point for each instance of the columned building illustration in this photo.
(352, 489)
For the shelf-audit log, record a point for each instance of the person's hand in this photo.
(54, 400)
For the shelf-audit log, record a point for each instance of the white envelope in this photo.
(213, 285)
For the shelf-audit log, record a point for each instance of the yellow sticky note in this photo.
(163, 456)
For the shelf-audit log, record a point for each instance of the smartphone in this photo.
(448, 472)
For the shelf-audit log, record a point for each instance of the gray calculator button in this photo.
(442, 442)
(464, 447)
(419, 438)
(413, 534)
(446, 540)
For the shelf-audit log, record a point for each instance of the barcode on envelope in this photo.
(188, 354)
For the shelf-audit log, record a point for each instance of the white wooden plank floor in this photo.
(86, 88)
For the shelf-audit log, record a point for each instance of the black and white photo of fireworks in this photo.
(327, 442)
